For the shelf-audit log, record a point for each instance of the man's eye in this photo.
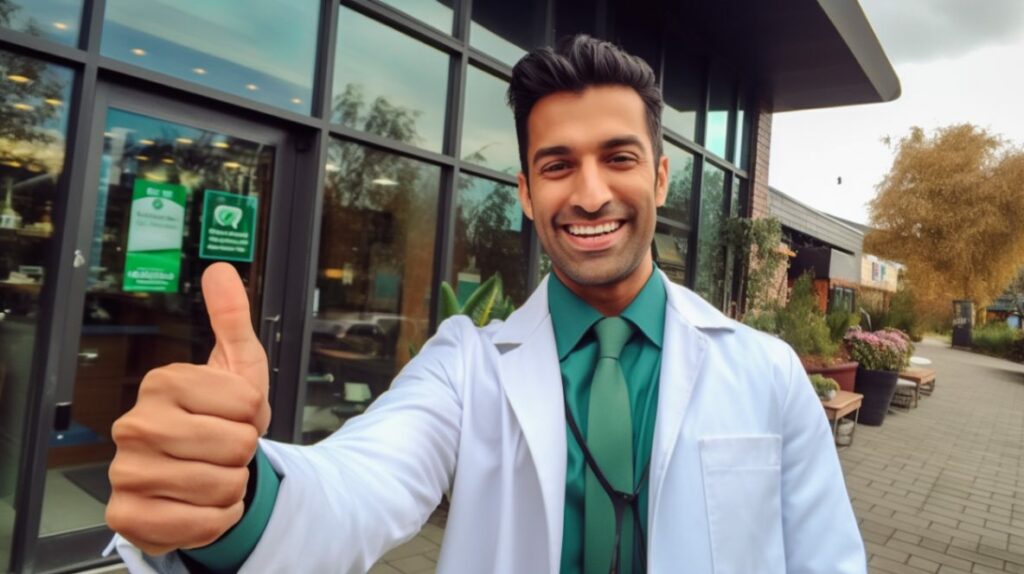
(554, 167)
(622, 159)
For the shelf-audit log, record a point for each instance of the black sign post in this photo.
(963, 322)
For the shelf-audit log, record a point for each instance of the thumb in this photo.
(238, 349)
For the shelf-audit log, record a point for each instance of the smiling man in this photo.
(615, 423)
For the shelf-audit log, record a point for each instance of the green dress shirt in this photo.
(577, 355)
(641, 362)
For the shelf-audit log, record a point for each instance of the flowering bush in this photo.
(885, 350)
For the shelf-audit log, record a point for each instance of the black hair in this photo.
(579, 62)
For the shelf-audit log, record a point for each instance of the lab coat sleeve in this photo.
(819, 527)
(371, 485)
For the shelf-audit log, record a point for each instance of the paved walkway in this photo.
(937, 490)
(941, 488)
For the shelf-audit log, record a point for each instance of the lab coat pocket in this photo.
(742, 491)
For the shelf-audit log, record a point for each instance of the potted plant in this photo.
(825, 387)
(881, 355)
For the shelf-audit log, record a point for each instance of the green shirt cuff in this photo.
(232, 549)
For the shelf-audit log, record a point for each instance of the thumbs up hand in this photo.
(180, 472)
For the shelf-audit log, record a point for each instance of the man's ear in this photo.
(661, 185)
(524, 196)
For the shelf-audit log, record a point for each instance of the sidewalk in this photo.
(940, 489)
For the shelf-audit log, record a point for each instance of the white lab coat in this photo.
(744, 477)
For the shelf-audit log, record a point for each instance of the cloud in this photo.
(915, 31)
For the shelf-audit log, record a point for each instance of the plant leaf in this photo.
(449, 302)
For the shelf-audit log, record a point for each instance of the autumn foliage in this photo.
(951, 210)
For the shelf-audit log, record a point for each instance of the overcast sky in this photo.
(957, 61)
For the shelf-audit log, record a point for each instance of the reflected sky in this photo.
(680, 184)
(55, 20)
(437, 14)
(266, 56)
(489, 131)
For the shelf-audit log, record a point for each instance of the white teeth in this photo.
(590, 230)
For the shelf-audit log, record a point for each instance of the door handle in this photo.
(271, 336)
(315, 378)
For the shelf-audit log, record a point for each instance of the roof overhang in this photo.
(807, 53)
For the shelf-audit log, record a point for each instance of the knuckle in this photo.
(245, 446)
(126, 430)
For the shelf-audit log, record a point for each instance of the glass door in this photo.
(178, 189)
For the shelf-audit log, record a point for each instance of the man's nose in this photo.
(591, 191)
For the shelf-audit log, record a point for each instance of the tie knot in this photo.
(612, 334)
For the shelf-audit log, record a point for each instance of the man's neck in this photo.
(612, 299)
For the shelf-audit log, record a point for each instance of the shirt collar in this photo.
(572, 317)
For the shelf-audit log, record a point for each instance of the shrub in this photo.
(822, 385)
(995, 338)
(839, 322)
(801, 324)
(764, 320)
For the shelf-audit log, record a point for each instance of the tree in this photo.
(950, 210)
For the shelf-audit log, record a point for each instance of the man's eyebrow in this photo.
(556, 150)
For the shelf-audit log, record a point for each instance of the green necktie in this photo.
(610, 441)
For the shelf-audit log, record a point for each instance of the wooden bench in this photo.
(923, 378)
(841, 405)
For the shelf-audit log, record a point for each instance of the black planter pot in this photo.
(878, 388)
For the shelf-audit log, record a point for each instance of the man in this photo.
(615, 423)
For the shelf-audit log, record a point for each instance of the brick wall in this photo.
(762, 139)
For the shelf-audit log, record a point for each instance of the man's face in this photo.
(592, 191)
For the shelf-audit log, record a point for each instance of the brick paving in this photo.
(939, 489)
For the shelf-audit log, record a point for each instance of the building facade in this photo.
(347, 156)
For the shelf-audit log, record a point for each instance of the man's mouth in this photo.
(580, 230)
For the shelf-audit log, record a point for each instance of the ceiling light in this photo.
(200, 71)
(142, 157)
(35, 168)
(333, 168)
(147, 142)
(23, 107)
(184, 141)
(167, 160)
(53, 101)
(19, 79)
(221, 145)
(138, 51)
(384, 181)
(296, 101)
(232, 165)
(11, 163)
(252, 87)
(155, 176)
(60, 26)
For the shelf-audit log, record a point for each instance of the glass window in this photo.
(720, 100)
(671, 246)
(33, 127)
(683, 90)
(154, 235)
(488, 128)
(489, 238)
(371, 307)
(507, 30)
(710, 263)
(387, 83)
(437, 13)
(266, 52)
(680, 184)
(739, 151)
(56, 20)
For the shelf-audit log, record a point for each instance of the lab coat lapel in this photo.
(532, 382)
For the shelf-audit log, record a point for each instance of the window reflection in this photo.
(387, 83)
(710, 281)
(683, 89)
(33, 126)
(55, 20)
(265, 53)
(488, 128)
(671, 245)
(680, 184)
(507, 30)
(373, 296)
(720, 100)
(489, 238)
(437, 13)
(739, 152)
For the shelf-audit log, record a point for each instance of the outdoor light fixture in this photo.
(296, 101)
(22, 107)
(221, 145)
(138, 51)
(333, 168)
(184, 141)
(53, 101)
(19, 79)
(60, 26)
(200, 71)
(252, 87)
(167, 160)
(232, 165)
(384, 181)
(147, 142)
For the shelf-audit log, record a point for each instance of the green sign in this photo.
(229, 226)
(153, 260)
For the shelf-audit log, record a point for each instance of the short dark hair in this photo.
(579, 62)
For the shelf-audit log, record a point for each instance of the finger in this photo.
(186, 481)
(204, 390)
(157, 526)
(228, 307)
(186, 436)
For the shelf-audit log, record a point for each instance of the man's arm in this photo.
(819, 527)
